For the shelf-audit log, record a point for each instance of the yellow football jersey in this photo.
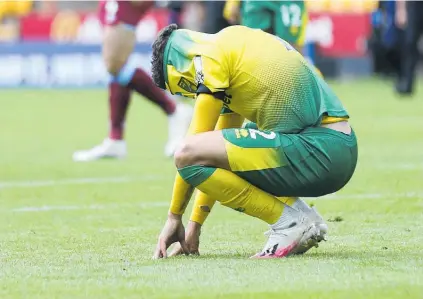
(255, 74)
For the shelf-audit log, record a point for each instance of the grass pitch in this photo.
(71, 230)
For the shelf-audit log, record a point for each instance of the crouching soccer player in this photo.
(302, 145)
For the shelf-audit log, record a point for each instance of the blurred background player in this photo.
(214, 20)
(175, 12)
(385, 41)
(285, 19)
(120, 19)
(409, 17)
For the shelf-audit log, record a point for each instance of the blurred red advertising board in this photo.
(340, 35)
(336, 34)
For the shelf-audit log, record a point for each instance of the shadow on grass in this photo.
(383, 253)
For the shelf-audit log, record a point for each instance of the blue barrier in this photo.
(50, 65)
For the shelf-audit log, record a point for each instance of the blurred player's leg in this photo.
(136, 79)
(214, 21)
(410, 52)
(118, 44)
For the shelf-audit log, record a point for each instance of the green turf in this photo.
(96, 239)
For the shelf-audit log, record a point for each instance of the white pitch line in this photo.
(157, 204)
(48, 208)
(370, 196)
(401, 166)
(76, 181)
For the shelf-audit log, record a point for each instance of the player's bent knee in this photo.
(185, 154)
(192, 152)
(179, 157)
(202, 149)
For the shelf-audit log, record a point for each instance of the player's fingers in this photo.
(157, 253)
(184, 246)
(163, 248)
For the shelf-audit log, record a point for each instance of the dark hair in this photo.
(159, 46)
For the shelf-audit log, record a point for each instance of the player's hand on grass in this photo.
(192, 239)
(172, 232)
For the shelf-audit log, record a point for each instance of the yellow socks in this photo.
(232, 191)
(202, 207)
(238, 194)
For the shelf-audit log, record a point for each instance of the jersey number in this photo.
(254, 133)
(291, 15)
